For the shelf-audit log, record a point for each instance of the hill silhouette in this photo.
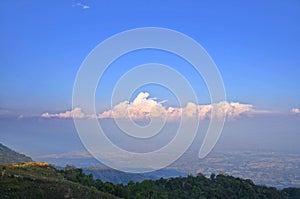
(9, 156)
(119, 177)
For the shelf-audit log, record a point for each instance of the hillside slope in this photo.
(217, 186)
(40, 180)
(8, 156)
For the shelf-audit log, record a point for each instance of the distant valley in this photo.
(41, 180)
(269, 168)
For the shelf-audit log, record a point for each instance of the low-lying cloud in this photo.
(295, 110)
(75, 113)
(145, 108)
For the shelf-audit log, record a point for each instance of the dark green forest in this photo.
(217, 186)
(41, 180)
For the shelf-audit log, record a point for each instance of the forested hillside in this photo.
(41, 180)
(220, 186)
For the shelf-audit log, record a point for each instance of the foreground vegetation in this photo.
(41, 180)
(220, 186)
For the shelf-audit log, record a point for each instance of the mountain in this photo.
(114, 176)
(118, 177)
(8, 156)
(41, 180)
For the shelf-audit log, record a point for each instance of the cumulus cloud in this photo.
(141, 108)
(295, 110)
(144, 108)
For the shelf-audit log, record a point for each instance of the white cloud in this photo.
(83, 6)
(145, 108)
(295, 110)
(75, 113)
(141, 108)
(4, 111)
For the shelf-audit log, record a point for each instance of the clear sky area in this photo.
(254, 44)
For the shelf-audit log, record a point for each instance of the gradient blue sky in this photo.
(255, 44)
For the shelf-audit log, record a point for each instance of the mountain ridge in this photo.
(9, 156)
(119, 177)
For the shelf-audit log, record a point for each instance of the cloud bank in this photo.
(75, 113)
(4, 111)
(295, 110)
(145, 108)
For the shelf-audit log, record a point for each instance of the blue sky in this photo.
(255, 44)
